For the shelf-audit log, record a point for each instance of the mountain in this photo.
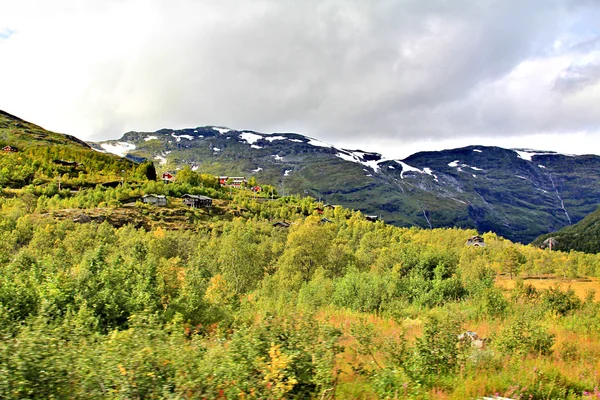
(518, 194)
(583, 236)
(37, 156)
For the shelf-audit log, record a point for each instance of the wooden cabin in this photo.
(196, 201)
(10, 149)
(281, 224)
(155, 199)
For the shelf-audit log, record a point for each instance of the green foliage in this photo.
(523, 336)
(560, 302)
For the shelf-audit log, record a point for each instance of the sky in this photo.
(392, 76)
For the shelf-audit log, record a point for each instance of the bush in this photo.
(560, 302)
(523, 336)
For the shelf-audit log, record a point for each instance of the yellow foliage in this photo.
(159, 233)
(274, 371)
(218, 291)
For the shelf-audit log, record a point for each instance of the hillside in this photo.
(40, 157)
(518, 194)
(583, 236)
(257, 296)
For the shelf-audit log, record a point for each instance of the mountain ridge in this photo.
(517, 193)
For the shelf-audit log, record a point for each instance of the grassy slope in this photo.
(39, 148)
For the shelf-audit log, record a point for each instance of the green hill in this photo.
(39, 157)
(583, 236)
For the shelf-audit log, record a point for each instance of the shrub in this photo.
(523, 336)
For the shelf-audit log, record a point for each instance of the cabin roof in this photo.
(196, 196)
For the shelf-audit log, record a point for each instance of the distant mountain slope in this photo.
(39, 156)
(583, 236)
(518, 194)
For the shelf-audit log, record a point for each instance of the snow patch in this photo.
(162, 160)
(296, 140)
(408, 168)
(178, 137)
(527, 154)
(277, 157)
(150, 138)
(459, 167)
(216, 149)
(477, 151)
(318, 143)
(250, 137)
(346, 157)
(255, 146)
(391, 167)
(272, 138)
(222, 131)
(119, 148)
(287, 172)
(195, 167)
(257, 169)
(353, 157)
(541, 166)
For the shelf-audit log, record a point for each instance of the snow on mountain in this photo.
(150, 138)
(527, 154)
(318, 143)
(119, 148)
(408, 168)
(222, 131)
(459, 167)
(272, 138)
(371, 160)
(250, 137)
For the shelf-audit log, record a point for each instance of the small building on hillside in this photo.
(234, 181)
(167, 177)
(155, 199)
(256, 189)
(196, 201)
(281, 224)
(476, 241)
(372, 218)
(326, 221)
(10, 149)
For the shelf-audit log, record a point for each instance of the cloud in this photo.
(346, 71)
(6, 33)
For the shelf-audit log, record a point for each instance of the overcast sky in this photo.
(389, 76)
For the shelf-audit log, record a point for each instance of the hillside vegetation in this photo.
(43, 157)
(519, 194)
(103, 296)
(583, 236)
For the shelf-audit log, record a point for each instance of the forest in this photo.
(335, 306)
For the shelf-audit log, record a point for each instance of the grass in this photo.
(581, 286)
